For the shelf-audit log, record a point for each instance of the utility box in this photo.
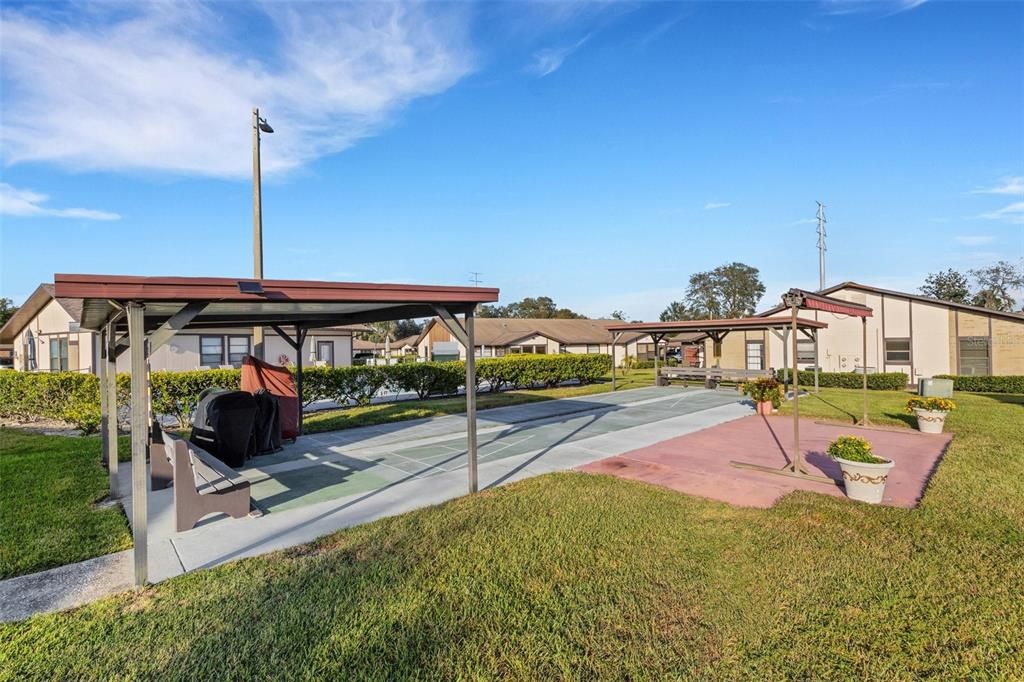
(935, 388)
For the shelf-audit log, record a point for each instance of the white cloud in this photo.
(1014, 213)
(805, 221)
(712, 205)
(550, 59)
(1010, 185)
(974, 239)
(26, 203)
(842, 7)
(165, 87)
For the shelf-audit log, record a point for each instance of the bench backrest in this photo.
(206, 472)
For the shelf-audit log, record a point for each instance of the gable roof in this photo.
(1019, 317)
(34, 305)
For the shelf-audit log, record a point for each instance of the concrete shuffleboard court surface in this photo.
(699, 463)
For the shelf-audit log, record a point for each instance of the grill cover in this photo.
(268, 423)
(223, 425)
(257, 374)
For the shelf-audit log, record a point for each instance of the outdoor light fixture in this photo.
(259, 124)
(264, 126)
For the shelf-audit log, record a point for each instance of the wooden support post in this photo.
(615, 340)
(816, 360)
(797, 459)
(300, 336)
(140, 438)
(110, 369)
(864, 361)
(471, 454)
(104, 435)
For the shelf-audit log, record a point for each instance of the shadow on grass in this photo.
(908, 419)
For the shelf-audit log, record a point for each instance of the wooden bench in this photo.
(712, 376)
(202, 483)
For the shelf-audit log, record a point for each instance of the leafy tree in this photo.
(540, 307)
(996, 284)
(617, 315)
(675, 311)
(7, 309)
(948, 285)
(730, 290)
(404, 328)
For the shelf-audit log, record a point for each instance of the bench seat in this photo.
(202, 483)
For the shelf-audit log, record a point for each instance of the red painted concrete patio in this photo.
(699, 463)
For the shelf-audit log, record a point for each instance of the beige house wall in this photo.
(1007, 347)
(53, 321)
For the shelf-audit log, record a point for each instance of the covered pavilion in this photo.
(139, 314)
(795, 300)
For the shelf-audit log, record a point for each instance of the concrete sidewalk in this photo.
(218, 539)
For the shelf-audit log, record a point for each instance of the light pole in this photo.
(258, 125)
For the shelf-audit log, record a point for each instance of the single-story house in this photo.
(909, 333)
(45, 337)
(497, 337)
(398, 347)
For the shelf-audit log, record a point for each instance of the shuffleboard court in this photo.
(334, 465)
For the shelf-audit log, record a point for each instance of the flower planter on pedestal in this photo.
(930, 421)
(764, 408)
(863, 481)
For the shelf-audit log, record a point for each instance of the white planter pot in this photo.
(864, 482)
(930, 421)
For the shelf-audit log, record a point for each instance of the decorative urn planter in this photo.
(930, 421)
(765, 408)
(865, 481)
(864, 472)
(930, 412)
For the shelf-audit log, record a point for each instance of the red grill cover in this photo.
(257, 374)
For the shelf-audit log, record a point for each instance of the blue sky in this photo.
(595, 153)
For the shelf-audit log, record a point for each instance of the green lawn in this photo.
(350, 417)
(48, 487)
(583, 577)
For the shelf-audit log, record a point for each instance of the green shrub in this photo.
(426, 378)
(853, 449)
(884, 381)
(764, 389)
(74, 398)
(985, 384)
(64, 396)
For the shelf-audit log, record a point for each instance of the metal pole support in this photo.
(140, 437)
(471, 454)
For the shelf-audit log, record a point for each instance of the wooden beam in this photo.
(453, 326)
(175, 324)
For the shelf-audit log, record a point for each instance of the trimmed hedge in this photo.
(74, 398)
(65, 396)
(883, 381)
(985, 384)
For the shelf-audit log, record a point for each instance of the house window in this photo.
(805, 351)
(325, 352)
(499, 351)
(645, 351)
(755, 355)
(593, 348)
(59, 354)
(897, 351)
(30, 352)
(238, 348)
(211, 351)
(975, 355)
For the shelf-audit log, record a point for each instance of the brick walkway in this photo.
(699, 463)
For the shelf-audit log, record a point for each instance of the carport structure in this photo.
(795, 300)
(140, 314)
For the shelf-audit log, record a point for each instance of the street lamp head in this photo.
(264, 126)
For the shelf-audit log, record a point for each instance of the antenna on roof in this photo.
(821, 246)
(475, 278)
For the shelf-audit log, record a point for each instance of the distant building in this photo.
(497, 337)
(45, 337)
(916, 335)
